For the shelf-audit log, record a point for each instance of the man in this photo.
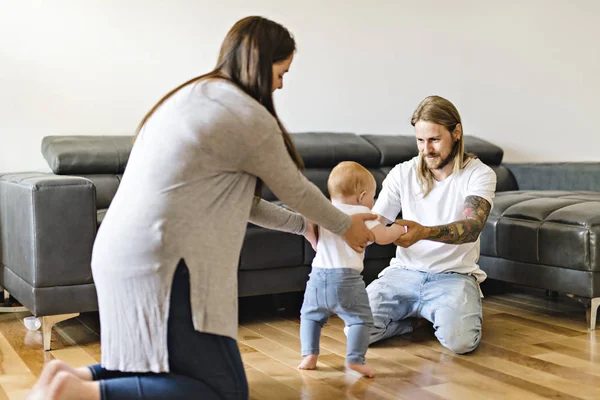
(445, 197)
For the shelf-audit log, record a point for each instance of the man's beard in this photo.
(446, 160)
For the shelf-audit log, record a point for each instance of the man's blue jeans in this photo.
(451, 301)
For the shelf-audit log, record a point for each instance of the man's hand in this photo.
(414, 233)
(359, 235)
(312, 235)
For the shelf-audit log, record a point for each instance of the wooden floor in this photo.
(533, 347)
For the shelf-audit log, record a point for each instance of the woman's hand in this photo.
(358, 235)
(312, 235)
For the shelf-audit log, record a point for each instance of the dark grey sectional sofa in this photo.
(542, 231)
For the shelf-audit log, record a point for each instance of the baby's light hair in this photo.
(349, 178)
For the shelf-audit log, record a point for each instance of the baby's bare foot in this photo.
(363, 369)
(309, 362)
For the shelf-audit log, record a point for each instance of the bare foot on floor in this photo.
(309, 362)
(363, 369)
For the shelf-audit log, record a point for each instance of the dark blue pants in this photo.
(202, 365)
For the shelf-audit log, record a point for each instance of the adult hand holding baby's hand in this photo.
(413, 233)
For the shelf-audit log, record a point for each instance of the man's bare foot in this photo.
(363, 369)
(309, 362)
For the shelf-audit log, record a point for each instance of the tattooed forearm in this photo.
(467, 230)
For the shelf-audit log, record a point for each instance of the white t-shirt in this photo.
(332, 250)
(443, 205)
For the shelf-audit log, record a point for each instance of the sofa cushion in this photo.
(319, 177)
(100, 216)
(554, 228)
(326, 149)
(106, 186)
(505, 181)
(395, 149)
(264, 249)
(79, 155)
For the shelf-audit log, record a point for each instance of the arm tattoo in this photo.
(467, 230)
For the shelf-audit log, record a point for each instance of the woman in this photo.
(166, 256)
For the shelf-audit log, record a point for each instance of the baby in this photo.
(335, 285)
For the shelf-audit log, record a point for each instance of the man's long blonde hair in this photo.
(438, 110)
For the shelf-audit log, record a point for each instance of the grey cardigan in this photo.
(188, 192)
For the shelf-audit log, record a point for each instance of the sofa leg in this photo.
(592, 312)
(47, 324)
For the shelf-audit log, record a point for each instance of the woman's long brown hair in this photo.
(247, 55)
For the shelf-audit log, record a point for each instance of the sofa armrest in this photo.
(505, 181)
(47, 228)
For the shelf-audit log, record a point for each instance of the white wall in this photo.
(525, 74)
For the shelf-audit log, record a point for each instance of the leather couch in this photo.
(48, 222)
(546, 234)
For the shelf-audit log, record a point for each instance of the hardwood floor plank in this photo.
(268, 388)
(305, 383)
(16, 377)
(521, 334)
(323, 380)
(532, 347)
(394, 382)
(577, 318)
(74, 355)
(540, 327)
(486, 350)
(27, 344)
(588, 344)
(438, 365)
(561, 303)
(76, 331)
(382, 366)
(546, 384)
(570, 351)
(558, 319)
(505, 371)
(453, 391)
(571, 362)
(391, 377)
